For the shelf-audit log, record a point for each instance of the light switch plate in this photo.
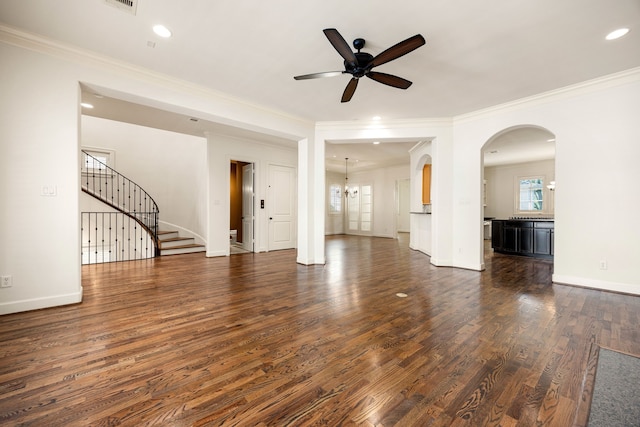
(49, 191)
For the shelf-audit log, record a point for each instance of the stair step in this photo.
(167, 234)
(183, 249)
(171, 243)
(174, 242)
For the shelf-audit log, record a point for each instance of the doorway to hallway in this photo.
(241, 205)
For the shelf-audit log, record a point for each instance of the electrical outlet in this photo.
(603, 264)
(6, 282)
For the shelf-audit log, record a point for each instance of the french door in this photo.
(359, 209)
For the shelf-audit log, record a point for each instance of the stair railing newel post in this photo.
(116, 190)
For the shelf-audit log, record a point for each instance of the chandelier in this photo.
(348, 192)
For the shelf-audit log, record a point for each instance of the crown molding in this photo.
(384, 124)
(589, 86)
(40, 44)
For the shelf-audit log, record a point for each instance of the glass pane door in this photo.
(360, 209)
(353, 212)
(366, 209)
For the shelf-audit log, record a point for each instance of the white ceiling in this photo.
(478, 53)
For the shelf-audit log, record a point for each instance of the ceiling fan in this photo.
(360, 64)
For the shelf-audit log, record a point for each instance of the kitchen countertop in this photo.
(525, 218)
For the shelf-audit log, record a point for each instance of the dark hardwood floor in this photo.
(258, 340)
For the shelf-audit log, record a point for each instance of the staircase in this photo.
(133, 231)
(170, 243)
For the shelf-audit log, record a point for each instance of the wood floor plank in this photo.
(258, 340)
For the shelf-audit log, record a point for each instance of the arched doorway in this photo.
(518, 176)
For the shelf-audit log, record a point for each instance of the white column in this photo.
(311, 202)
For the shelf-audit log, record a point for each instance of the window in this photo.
(97, 160)
(530, 196)
(335, 198)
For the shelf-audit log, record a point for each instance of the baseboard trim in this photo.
(40, 303)
(582, 282)
(212, 254)
(321, 261)
(441, 262)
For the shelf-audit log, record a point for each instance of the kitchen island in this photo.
(531, 237)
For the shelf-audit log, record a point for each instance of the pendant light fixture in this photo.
(348, 192)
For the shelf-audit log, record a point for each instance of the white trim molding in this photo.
(38, 303)
(624, 288)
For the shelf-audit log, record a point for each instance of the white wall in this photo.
(170, 166)
(596, 174)
(39, 236)
(502, 187)
(40, 134)
(221, 150)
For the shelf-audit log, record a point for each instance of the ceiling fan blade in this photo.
(389, 79)
(340, 45)
(349, 90)
(397, 50)
(318, 75)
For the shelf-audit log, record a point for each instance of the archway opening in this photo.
(518, 181)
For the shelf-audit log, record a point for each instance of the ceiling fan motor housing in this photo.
(362, 67)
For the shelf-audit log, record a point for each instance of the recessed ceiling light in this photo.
(617, 33)
(376, 118)
(162, 31)
(376, 142)
(86, 105)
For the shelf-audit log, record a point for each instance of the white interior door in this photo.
(247, 207)
(404, 194)
(281, 207)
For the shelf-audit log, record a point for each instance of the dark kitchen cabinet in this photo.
(543, 238)
(523, 237)
(497, 230)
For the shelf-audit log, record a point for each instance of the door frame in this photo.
(256, 211)
(294, 204)
(249, 246)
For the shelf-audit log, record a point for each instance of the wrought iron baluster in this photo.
(131, 200)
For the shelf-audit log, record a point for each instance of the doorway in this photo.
(359, 209)
(241, 205)
(281, 207)
(518, 182)
(403, 191)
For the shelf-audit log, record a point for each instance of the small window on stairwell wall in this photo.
(97, 160)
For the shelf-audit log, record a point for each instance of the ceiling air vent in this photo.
(125, 5)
